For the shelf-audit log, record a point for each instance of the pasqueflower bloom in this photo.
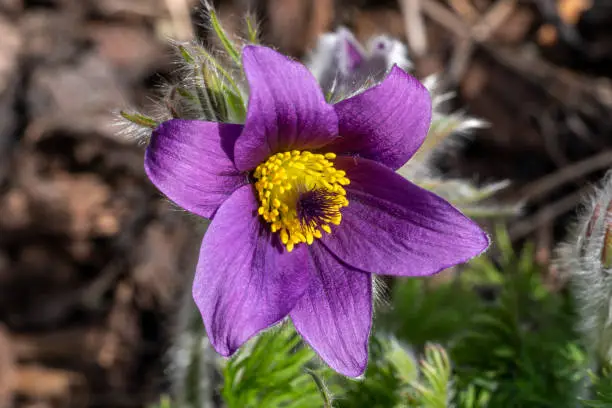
(305, 206)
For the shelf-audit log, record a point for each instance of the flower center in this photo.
(300, 193)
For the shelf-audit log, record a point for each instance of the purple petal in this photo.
(335, 314)
(187, 160)
(393, 227)
(244, 282)
(286, 110)
(387, 123)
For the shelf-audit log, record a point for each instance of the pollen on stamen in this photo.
(301, 194)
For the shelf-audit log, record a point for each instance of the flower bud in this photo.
(343, 66)
(586, 259)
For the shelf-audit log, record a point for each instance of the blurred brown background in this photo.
(92, 261)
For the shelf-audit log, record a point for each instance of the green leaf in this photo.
(215, 93)
(236, 106)
(270, 371)
(139, 119)
(228, 45)
(219, 68)
(252, 29)
(189, 59)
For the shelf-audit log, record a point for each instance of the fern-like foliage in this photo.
(272, 371)
(382, 384)
(420, 313)
(510, 338)
(522, 347)
(601, 388)
(435, 388)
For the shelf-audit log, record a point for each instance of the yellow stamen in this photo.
(300, 193)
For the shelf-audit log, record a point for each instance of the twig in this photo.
(465, 10)
(493, 19)
(414, 25)
(546, 215)
(444, 17)
(460, 59)
(549, 135)
(469, 36)
(180, 19)
(539, 188)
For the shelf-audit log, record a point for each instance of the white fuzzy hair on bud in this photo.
(344, 67)
(586, 259)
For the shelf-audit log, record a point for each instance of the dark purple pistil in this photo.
(316, 207)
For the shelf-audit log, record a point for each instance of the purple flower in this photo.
(306, 205)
